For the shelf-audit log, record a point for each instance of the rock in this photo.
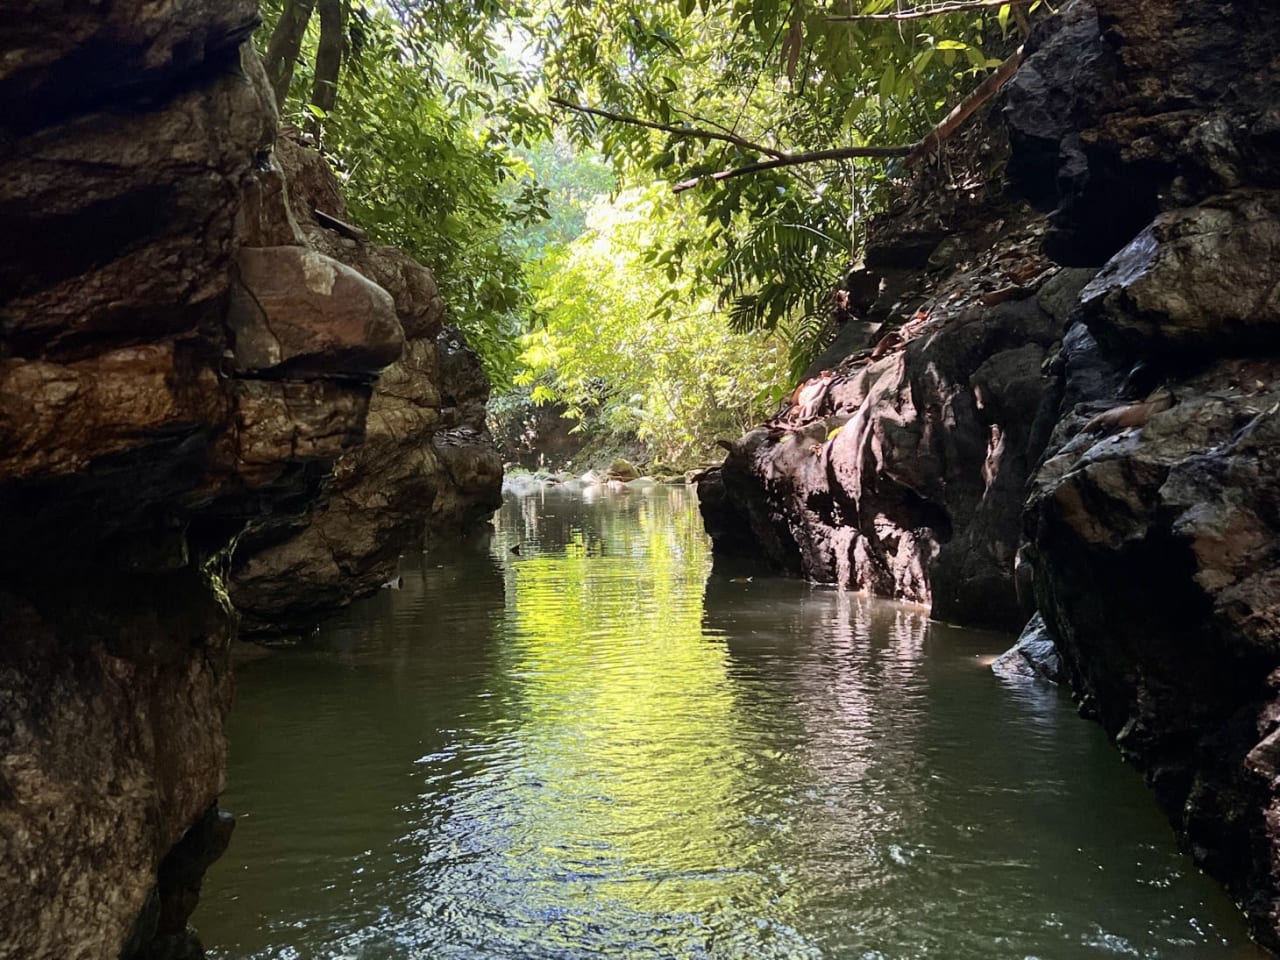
(1068, 69)
(1135, 412)
(146, 432)
(56, 418)
(910, 483)
(1033, 657)
(426, 466)
(1118, 113)
(1202, 281)
(1155, 553)
(58, 67)
(279, 293)
(114, 693)
(622, 470)
(133, 137)
(1154, 544)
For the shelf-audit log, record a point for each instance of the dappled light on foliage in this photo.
(471, 135)
(676, 377)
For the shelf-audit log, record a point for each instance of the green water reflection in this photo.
(595, 748)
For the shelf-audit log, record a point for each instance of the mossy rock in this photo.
(621, 469)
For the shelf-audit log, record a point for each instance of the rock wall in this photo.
(1154, 521)
(1099, 436)
(903, 471)
(179, 371)
(427, 466)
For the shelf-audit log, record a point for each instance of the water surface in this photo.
(596, 748)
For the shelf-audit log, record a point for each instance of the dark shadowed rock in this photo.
(536, 435)
(1155, 551)
(910, 482)
(1033, 657)
(1203, 281)
(1120, 115)
(145, 430)
(124, 475)
(1153, 526)
(59, 66)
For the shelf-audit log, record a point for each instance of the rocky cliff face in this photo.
(1154, 520)
(427, 466)
(178, 370)
(1122, 403)
(901, 467)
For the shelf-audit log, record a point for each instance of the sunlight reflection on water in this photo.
(597, 748)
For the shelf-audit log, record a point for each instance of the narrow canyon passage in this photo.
(595, 747)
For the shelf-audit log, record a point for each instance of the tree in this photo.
(403, 120)
(811, 98)
(673, 377)
(774, 119)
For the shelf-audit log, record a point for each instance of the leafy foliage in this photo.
(776, 75)
(662, 314)
(422, 172)
(674, 377)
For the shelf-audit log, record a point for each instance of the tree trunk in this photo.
(285, 44)
(324, 92)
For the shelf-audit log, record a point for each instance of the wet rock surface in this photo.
(1152, 523)
(904, 473)
(1033, 657)
(166, 391)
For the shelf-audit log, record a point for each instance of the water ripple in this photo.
(596, 748)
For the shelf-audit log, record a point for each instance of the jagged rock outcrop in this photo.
(1034, 657)
(177, 366)
(426, 465)
(1147, 131)
(1154, 522)
(904, 474)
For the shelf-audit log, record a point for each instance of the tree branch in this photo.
(912, 152)
(682, 131)
(966, 107)
(795, 159)
(919, 13)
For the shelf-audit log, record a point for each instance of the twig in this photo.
(920, 13)
(682, 131)
(966, 107)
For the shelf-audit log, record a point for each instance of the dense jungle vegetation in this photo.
(637, 208)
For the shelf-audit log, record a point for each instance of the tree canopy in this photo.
(747, 142)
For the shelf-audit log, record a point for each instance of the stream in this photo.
(596, 748)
